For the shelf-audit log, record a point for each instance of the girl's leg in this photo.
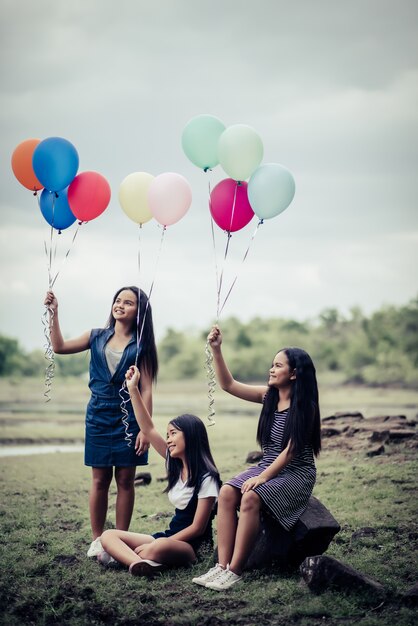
(121, 544)
(167, 551)
(125, 496)
(228, 504)
(247, 530)
(98, 498)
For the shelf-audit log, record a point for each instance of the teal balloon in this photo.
(270, 190)
(200, 140)
(240, 151)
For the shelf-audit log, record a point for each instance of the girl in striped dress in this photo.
(281, 484)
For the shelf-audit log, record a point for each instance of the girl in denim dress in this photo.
(109, 443)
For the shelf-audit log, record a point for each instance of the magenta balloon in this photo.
(230, 215)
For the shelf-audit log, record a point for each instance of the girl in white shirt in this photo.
(193, 487)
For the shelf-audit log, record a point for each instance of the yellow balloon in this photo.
(133, 196)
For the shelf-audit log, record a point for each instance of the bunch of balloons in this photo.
(166, 197)
(239, 150)
(51, 165)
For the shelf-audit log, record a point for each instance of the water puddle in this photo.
(43, 449)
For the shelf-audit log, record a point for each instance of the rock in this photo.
(142, 478)
(254, 457)
(352, 415)
(331, 431)
(376, 450)
(410, 597)
(379, 435)
(395, 435)
(311, 535)
(322, 572)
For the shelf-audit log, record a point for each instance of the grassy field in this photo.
(46, 579)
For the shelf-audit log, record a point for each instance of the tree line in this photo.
(380, 349)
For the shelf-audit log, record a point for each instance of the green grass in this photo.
(46, 579)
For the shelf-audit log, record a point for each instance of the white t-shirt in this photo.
(181, 494)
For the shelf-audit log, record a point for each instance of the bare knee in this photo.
(101, 481)
(107, 537)
(229, 497)
(250, 502)
(125, 478)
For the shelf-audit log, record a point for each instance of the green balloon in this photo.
(240, 151)
(200, 140)
(270, 190)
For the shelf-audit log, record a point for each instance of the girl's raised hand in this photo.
(50, 300)
(132, 377)
(215, 337)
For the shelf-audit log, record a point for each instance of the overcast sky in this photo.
(331, 87)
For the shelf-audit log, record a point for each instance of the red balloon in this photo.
(88, 195)
(22, 164)
(229, 205)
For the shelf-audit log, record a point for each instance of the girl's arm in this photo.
(59, 344)
(200, 521)
(142, 441)
(271, 471)
(142, 415)
(253, 393)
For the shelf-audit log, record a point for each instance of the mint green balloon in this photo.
(200, 140)
(270, 190)
(240, 151)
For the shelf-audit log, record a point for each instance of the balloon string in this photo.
(242, 262)
(67, 253)
(48, 323)
(218, 312)
(49, 352)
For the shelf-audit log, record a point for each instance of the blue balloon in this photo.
(270, 190)
(56, 210)
(55, 163)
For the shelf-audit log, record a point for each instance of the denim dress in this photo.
(107, 443)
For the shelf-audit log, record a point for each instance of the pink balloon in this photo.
(88, 195)
(230, 215)
(169, 198)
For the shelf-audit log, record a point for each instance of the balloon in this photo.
(56, 210)
(230, 215)
(88, 195)
(240, 151)
(133, 196)
(169, 197)
(22, 164)
(55, 163)
(200, 140)
(270, 190)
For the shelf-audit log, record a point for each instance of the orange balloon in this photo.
(22, 164)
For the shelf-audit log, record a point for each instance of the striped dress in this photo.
(286, 496)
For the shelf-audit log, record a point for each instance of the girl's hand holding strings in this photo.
(51, 301)
(215, 337)
(132, 377)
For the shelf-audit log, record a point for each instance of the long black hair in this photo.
(303, 423)
(198, 455)
(149, 350)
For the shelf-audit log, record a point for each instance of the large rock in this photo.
(311, 535)
(323, 572)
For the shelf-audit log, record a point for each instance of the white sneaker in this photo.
(213, 573)
(224, 581)
(146, 567)
(95, 548)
